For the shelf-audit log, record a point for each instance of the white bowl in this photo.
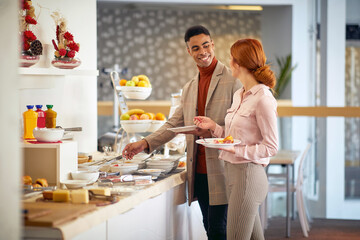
(90, 176)
(155, 125)
(70, 184)
(125, 168)
(91, 168)
(48, 134)
(140, 93)
(151, 171)
(133, 126)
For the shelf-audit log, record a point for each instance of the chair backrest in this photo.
(300, 177)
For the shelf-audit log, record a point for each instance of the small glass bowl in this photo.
(66, 63)
(28, 61)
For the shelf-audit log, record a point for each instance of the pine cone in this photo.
(36, 47)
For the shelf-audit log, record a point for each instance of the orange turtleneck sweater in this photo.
(204, 82)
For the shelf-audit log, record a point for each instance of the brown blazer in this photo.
(219, 98)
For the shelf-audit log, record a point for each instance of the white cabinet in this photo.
(53, 161)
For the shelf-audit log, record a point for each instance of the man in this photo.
(209, 93)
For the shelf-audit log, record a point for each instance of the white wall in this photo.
(352, 12)
(10, 155)
(276, 35)
(74, 97)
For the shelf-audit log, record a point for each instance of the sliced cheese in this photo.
(101, 191)
(80, 196)
(61, 195)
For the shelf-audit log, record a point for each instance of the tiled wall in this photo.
(352, 98)
(151, 42)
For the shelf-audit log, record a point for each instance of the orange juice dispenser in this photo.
(30, 122)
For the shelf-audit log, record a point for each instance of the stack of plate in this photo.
(151, 171)
(141, 163)
(166, 165)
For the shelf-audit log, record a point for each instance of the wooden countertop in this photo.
(101, 214)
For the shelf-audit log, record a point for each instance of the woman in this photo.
(252, 120)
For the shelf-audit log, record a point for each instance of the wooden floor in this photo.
(321, 229)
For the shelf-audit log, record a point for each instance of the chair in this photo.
(277, 184)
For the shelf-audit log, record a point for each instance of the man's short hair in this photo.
(195, 30)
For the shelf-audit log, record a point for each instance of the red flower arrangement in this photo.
(65, 47)
(30, 45)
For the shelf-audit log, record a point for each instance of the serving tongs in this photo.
(106, 161)
(74, 129)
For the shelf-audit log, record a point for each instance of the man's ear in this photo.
(188, 50)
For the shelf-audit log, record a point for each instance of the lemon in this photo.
(143, 84)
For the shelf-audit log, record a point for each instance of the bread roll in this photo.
(82, 160)
(47, 195)
(27, 180)
(36, 185)
(42, 181)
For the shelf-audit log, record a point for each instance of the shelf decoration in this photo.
(65, 45)
(31, 46)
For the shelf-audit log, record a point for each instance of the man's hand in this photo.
(132, 149)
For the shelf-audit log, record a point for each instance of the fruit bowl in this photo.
(140, 93)
(133, 126)
(155, 125)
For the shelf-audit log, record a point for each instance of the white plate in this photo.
(210, 143)
(70, 184)
(183, 129)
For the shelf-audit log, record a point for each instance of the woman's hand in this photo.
(204, 123)
(228, 149)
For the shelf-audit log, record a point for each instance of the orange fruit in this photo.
(122, 82)
(160, 116)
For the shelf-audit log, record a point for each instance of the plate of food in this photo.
(218, 142)
(183, 129)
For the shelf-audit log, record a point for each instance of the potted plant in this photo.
(65, 45)
(282, 80)
(31, 46)
(284, 75)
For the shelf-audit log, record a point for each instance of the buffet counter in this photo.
(132, 216)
